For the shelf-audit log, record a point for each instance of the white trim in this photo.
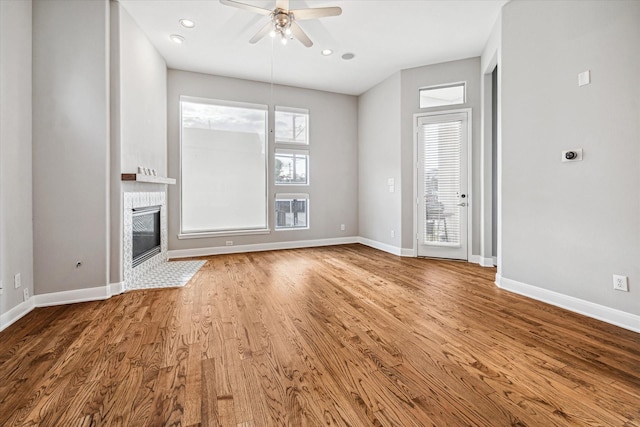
(606, 314)
(70, 297)
(486, 262)
(474, 259)
(259, 247)
(408, 252)
(207, 234)
(470, 201)
(381, 246)
(16, 313)
(116, 288)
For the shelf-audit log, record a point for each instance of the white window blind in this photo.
(442, 183)
(223, 166)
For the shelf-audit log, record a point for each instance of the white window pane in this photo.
(223, 167)
(292, 125)
(443, 95)
(291, 211)
(291, 167)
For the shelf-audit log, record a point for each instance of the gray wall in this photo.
(467, 70)
(70, 144)
(138, 82)
(379, 124)
(568, 227)
(16, 231)
(333, 155)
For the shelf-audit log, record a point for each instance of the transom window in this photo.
(438, 96)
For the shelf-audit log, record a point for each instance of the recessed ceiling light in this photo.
(326, 52)
(176, 38)
(348, 56)
(187, 23)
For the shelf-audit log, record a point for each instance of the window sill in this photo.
(209, 234)
(291, 228)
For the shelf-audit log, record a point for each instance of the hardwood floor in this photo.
(343, 335)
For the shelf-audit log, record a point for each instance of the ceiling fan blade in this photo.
(263, 32)
(318, 12)
(282, 4)
(300, 35)
(245, 6)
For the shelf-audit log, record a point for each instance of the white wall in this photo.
(16, 231)
(466, 70)
(138, 81)
(567, 227)
(70, 144)
(333, 156)
(379, 136)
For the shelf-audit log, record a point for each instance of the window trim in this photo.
(444, 86)
(293, 151)
(231, 232)
(292, 196)
(295, 110)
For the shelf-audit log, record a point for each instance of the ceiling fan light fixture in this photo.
(326, 52)
(187, 23)
(283, 40)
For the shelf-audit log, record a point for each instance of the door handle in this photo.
(463, 204)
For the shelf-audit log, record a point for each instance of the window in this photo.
(223, 167)
(292, 211)
(292, 125)
(291, 167)
(438, 96)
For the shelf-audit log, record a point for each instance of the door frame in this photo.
(416, 199)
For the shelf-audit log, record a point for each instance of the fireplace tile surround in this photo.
(134, 200)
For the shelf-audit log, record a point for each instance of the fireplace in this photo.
(146, 234)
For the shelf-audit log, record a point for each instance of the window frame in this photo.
(294, 152)
(291, 197)
(228, 232)
(462, 84)
(293, 110)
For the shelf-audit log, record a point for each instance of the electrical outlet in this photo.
(25, 292)
(342, 227)
(393, 234)
(229, 243)
(17, 281)
(620, 283)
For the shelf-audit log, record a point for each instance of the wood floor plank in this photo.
(335, 336)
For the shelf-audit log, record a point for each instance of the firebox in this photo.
(146, 233)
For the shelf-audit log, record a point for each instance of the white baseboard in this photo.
(482, 261)
(70, 297)
(408, 252)
(259, 247)
(587, 308)
(116, 288)
(16, 313)
(381, 246)
(486, 262)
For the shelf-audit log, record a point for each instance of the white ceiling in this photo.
(385, 36)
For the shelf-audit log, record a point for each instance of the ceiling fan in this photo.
(282, 21)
